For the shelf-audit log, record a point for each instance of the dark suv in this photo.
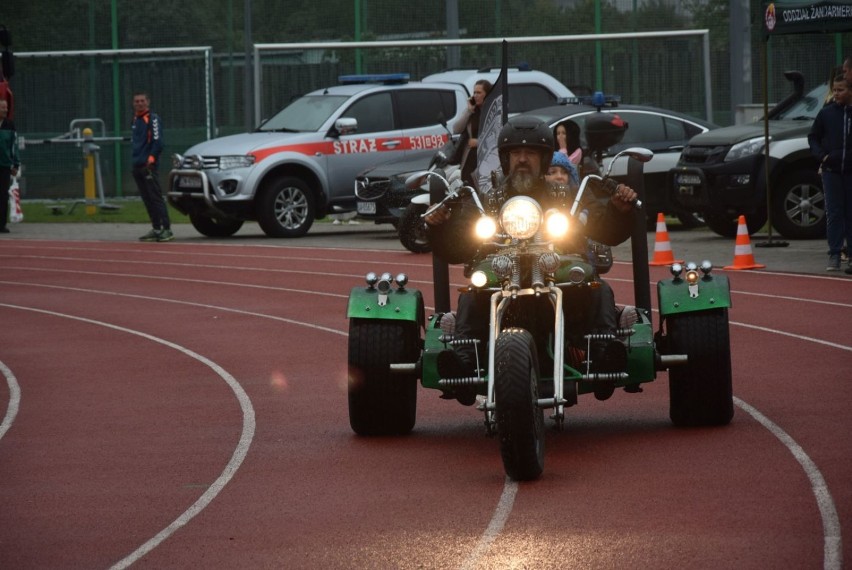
(721, 173)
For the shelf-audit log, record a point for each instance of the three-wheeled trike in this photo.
(528, 367)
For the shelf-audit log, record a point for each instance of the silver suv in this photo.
(300, 164)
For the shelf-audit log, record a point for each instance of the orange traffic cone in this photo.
(662, 246)
(743, 257)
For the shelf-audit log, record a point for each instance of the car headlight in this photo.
(745, 148)
(557, 223)
(521, 217)
(235, 161)
(177, 160)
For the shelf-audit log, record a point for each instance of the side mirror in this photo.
(638, 153)
(346, 126)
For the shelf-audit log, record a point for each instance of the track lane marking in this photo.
(831, 527)
(188, 303)
(14, 399)
(832, 542)
(495, 526)
(239, 454)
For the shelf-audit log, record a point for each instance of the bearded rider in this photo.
(525, 147)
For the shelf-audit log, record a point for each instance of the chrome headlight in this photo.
(521, 217)
(745, 148)
(177, 160)
(235, 161)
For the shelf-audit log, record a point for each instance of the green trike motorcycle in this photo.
(533, 363)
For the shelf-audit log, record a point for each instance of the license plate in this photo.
(189, 182)
(366, 207)
(687, 179)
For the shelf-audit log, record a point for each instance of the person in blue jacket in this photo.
(830, 140)
(146, 140)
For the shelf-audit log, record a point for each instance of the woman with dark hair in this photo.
(468, 126)
(566, 138)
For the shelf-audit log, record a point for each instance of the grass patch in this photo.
(119, 211)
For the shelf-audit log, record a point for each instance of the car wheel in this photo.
(381, 402)
(726, 226)
(212, 226)
(798, 206)
(700, 392)
(412, 234)
(520, 422)
(285, 208)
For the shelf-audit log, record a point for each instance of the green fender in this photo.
(401, 305)
(711, 292)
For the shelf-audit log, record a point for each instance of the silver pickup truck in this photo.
(300, 165)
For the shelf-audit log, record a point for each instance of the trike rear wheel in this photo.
(700, 392)
(381, 402)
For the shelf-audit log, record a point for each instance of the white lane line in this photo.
(495, 527)
(832, 542)
(793, 335)
(188, 303)
(233, 464)
(504, 507)
(799, 299)
(354, 277)
(14, 399)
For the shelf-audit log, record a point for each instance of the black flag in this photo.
(495, 113)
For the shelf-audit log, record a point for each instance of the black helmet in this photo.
(525, 132)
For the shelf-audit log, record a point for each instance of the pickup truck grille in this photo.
(208, 162)
(703, 154)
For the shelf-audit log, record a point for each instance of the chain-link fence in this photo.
(52, 91)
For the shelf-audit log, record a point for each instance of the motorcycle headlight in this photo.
(479, 279)
(486, 228)
(236, 161)
(521, 217)
(557, 223)
(745, 148)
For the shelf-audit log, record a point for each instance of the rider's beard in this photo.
(523, 182)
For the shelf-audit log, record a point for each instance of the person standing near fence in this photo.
(9, 162)
(146, 140)
(830, 140)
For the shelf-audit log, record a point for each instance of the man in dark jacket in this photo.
(526, 149)
(9, 162)
(146, 139)
(830, 140)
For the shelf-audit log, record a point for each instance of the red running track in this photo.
(184, 406)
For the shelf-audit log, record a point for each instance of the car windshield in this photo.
(807, 107)
(305, 114)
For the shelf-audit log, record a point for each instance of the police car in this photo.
(299, 165)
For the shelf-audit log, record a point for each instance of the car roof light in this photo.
(385, 78)
(609, 101)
